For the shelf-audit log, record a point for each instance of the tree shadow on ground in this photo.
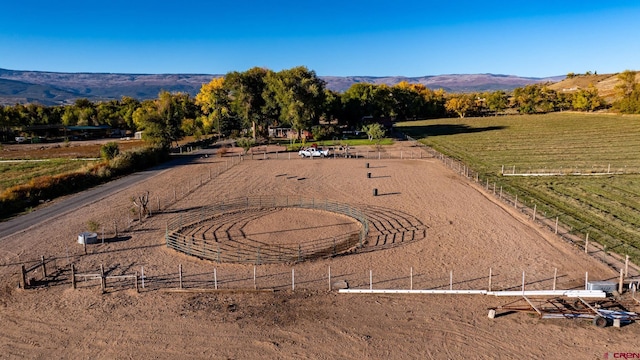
(445, 129)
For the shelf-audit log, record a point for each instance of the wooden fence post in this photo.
(73, 276)
(44, 266)
(586, 244)
(586, 280)
(626, 266)
(621, 283)
(23, 277)
(490, 274)
(411, 278)
(180, 274)
(103, 280)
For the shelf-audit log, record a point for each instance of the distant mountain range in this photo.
(53, 88)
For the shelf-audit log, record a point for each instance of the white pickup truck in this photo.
(313, 152)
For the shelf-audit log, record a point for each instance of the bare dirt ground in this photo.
(465, 233)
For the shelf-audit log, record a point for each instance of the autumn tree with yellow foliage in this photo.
(460, 104)
(213, 100)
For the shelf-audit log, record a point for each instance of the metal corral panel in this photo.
(606, 286)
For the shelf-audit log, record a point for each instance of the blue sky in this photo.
(341, 38)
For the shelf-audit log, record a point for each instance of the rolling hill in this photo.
(53, 88)
(605, 83)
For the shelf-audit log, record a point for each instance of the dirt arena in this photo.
(467, 233)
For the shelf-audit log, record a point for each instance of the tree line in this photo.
(250, 102)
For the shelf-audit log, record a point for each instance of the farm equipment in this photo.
(602, 312)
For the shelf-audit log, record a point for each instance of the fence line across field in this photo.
(382, 154)
(602, 170)
(263, 280)
(551, 222)
(102, 277)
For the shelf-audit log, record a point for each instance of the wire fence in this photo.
(159, 201)
(246, 278)
(189, 234)
(594, 170)
(344, 153)
(553, 220)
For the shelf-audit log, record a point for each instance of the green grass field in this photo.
(16, 173)
(605, 206)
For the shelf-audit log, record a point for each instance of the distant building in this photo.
(279, 132)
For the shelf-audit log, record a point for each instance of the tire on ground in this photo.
(600, 321)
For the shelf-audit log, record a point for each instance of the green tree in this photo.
(358, 101)
(191, 127)
(322, 132)
(245, 143)
(69, 116)
(532, 99)
(128, 106)
(407, 101)
(375, 132)
(86, 112)
(628, 91)
(626, 83)
(107, 113)
(299, 95)
(367, 100)
(564, 101)
(497, 101)
(548, 99)
(109, 150)
(332, 108)
(247, 98)
(5, 122)
(587, 99)
(161, 119)
(172, 111)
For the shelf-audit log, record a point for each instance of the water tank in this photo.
(87, 238)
